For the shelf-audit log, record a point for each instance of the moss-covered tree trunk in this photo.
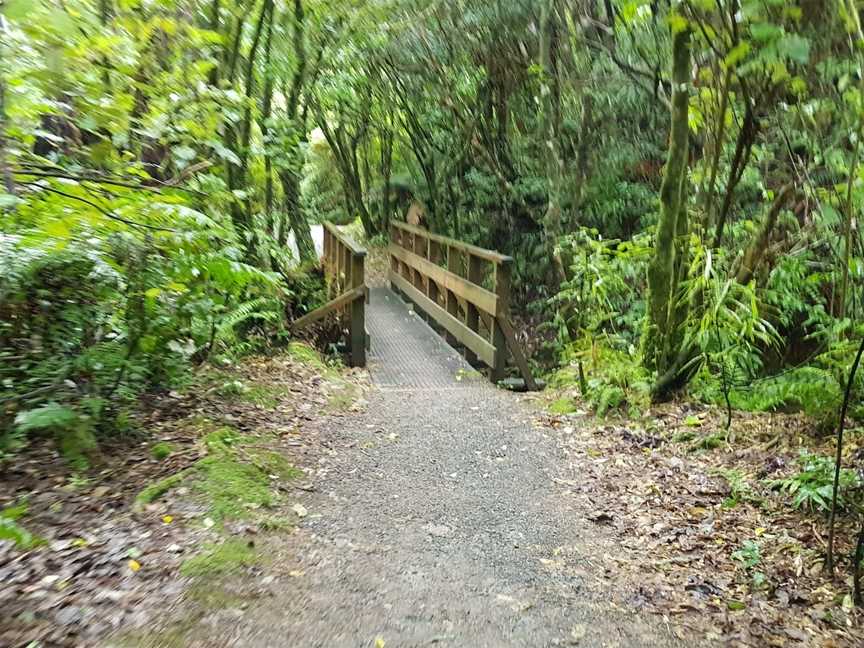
(666, 311)
(549, 129)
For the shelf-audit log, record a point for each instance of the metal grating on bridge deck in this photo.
(407, 354)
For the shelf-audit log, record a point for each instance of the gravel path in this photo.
(436, 523)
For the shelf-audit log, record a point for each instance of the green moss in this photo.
(158, 489)
(274, 463)
(343, 398)
(233, 480)
(266, 396)
(306, 354)
(161, 450)
(221, 440)
(231, 488)
(211, 595)
(263, 396)
(563, 406)
(221, 558)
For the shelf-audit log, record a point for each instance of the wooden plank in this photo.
(472, 315)
(433, 254)
(509, 334)
(452, 301)
(488, 255)
(502, 289)
(482, 348)
(480, 297)
(358, 312)
(344, 239)
(418, 245)
(334, 304)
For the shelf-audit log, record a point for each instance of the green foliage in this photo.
(221, 558)
(11, 530)
(739, 487)
(749, 555)
(811, 488)
(603, 296)
(615, 381)
(563, 406)
(234, 480)
(161, 450)
(809, 389)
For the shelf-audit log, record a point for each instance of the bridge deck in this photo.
(407, 353)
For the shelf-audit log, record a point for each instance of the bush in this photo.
(89, 324)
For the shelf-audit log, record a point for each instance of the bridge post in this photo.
(434, 255)
(420, 248)
(452, 303)
(472, 315)
(395, 263)
(358, 312)
(499, 341)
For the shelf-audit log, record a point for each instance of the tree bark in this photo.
(549, 128)
(241, 213)
(756, 250)
(5, 171)
(664, 269)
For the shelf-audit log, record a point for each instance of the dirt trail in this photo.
(435, 522)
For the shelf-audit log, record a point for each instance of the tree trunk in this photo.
(5, 171)
(664, 271)
(241, 213)
(756, 250)
(549, 137)
(263, 124)
(296, 217)
(385, 169)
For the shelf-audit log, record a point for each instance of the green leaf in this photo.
(737, 54)
(47, 417)
(765, 32)
(677, 23)
(17, 9)
(185, 153)
(795, 48)
(8, 200)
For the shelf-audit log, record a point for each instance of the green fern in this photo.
(264, 309)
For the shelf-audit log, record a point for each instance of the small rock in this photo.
(438, 530)
(68, 616)
(578, 633)
(300, 510)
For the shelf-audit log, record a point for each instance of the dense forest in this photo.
(679, 183)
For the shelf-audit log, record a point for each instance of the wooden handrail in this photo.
(488, 255)
(344, 263)
(333, 305)
(346, 240)
(449, 282)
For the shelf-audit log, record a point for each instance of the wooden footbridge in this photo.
(460, 290)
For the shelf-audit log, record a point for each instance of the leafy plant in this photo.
(811, 487)
(749, 555)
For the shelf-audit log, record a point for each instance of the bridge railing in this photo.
(344, 264)
(464, 289)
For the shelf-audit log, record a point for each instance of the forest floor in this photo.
(215, 469)
(301, 505)
(699, 523)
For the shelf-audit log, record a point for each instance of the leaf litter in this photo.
(104, 566)
(697, 532)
